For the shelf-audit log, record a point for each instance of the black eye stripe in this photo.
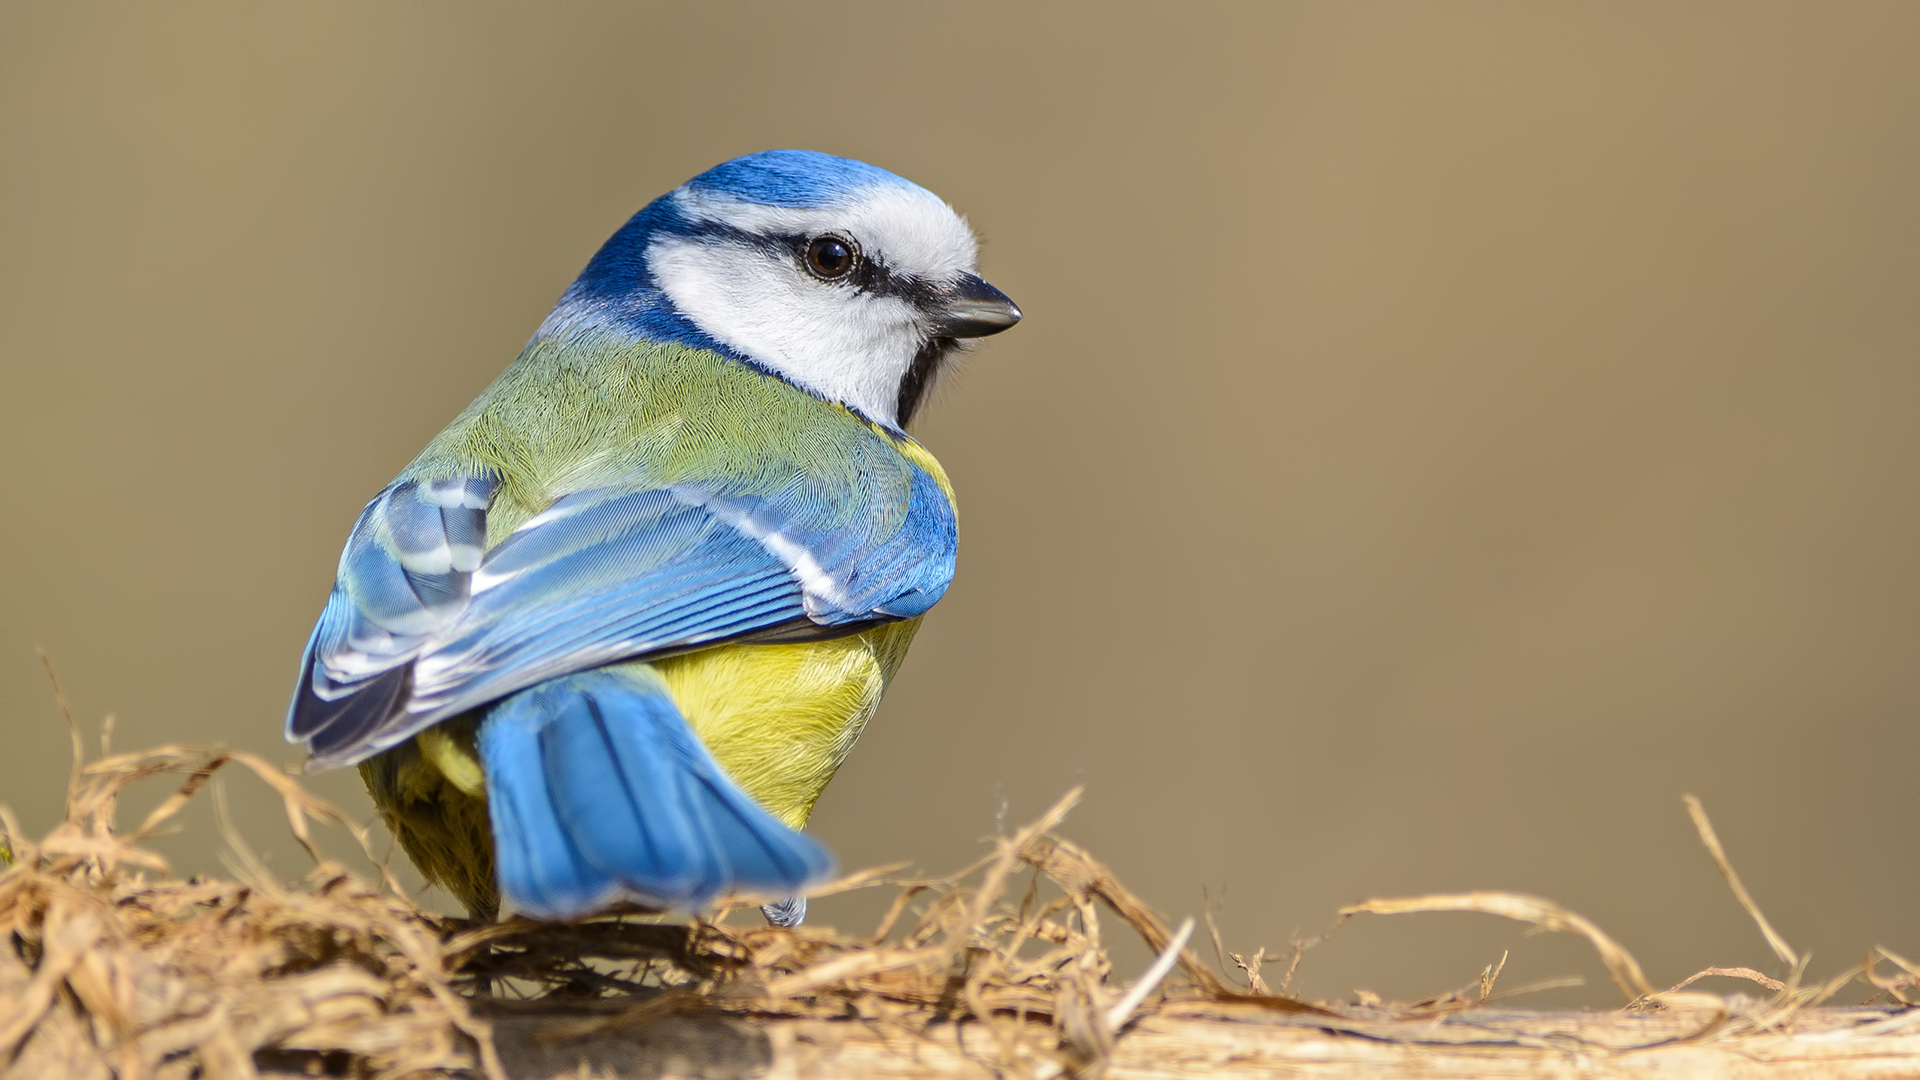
(869, 273)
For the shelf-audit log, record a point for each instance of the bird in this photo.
(608, 637)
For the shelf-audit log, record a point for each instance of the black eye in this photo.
(831, 257)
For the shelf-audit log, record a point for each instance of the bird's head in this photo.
(843, 278)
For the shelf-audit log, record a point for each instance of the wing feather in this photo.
(423, 625)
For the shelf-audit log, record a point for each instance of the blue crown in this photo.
(803, 179)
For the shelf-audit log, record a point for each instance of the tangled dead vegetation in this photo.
(113, 969)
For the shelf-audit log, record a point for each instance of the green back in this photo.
(590, 410)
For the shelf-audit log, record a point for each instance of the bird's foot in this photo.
(789, 913)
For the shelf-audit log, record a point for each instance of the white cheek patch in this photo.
(844, 345)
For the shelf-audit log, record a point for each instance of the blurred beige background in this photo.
(1441, 435)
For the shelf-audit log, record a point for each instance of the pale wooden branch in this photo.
(1181, 1042)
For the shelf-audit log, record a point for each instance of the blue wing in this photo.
(423, 625)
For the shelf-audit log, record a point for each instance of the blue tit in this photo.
(610, 635)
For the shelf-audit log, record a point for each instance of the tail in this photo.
(599, 791)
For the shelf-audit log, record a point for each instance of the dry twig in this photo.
(114, 968)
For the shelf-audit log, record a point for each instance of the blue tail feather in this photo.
(540, 873)
(599, 790)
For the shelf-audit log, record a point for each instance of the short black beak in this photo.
(971, 308)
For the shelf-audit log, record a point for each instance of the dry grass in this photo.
(113, 968)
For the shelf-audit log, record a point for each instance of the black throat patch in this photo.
(920, 376)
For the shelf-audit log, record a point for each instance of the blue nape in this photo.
(599, 790)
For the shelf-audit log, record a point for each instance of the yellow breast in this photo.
(781, 718)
